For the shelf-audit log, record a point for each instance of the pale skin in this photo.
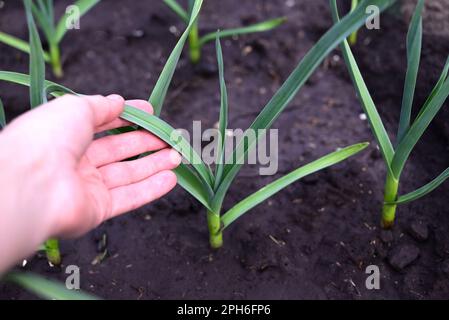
(56, 180)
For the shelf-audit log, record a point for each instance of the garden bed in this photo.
(312, 240)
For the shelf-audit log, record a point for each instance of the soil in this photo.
(313, 240)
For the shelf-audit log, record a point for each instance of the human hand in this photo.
(56, 180)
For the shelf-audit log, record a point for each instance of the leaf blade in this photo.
(160, 90)
(255, 28)
(223, 121)
(47, 289)
(380, 133)
(18, 44)
(176, 8)
(424, 190)
(418, 128)
(269, 190)
(414, 45)
(37, 63)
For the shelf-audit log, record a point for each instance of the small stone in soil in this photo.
(402, 256)
(419, 230)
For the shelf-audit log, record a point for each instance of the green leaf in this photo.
(44, 22)
(47, 289)
(18, 44)
(368, 105)
(295, 81)
(437, 87)
(418, 128)
(159, 93)
(37, 63)
(2, 115)
(223, 122)
(421, 192)
(189, 181)
(84, 6)
(176, 8)
(258, 27)
(165, 132)
(269, 190)
(52, 88)
(414, 44)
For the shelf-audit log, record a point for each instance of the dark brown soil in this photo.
(314, 239)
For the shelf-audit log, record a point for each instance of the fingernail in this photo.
(115, 97)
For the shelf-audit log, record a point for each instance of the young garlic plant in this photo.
(409, 132)
(207, 186)
(196, 42)
(43, 11)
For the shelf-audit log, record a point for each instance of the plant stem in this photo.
(55, 60)
(391, 194)
(194, 44)
(52, 251)
(215, 232)
(353, 36)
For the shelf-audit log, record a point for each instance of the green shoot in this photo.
(46, 289)
(353, 37)
(209, 187)
(408, 134)
(54, 33)
(196, 42)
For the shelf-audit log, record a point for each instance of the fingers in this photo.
(115, 148)
(104, 110)
(134, 196)
(119, 123)
(128, 172)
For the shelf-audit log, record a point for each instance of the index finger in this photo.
(119, 123)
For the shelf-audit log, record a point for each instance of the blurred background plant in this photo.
(43, 11)
(196, 42)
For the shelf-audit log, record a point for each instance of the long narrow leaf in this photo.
(269, 190)
(295, 81)
(25, 80)
(37, 63)
(414, 44)
(378, 128)
(418, 128)
(437, 87)
(44, 23)
(159, 93)
(2, 115)
(83, 6)
(258, 27)
(421, 192)
(47, 289)
(176, 8)
(189, 181)
(223, 122)
(18, 44)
